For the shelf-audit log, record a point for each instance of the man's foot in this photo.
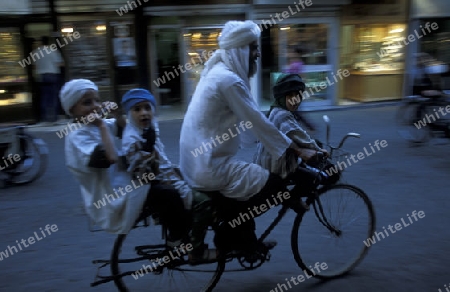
(268, 245)
(173, 243)
(203, 257)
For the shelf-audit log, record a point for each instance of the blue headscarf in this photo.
(135, 96)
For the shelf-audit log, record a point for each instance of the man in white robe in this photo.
(214, 125)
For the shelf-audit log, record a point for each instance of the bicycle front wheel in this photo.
(332, 234)
(135, 266)
(409, 127)
(33, 162)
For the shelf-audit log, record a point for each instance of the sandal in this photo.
(208, 256)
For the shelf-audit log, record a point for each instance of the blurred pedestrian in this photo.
(296, 62)
(296, 67)
(48, 65)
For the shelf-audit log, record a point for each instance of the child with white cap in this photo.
(90, 152)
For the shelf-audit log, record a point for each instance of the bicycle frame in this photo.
(146, 252)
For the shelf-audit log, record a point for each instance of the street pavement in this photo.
(399, 179)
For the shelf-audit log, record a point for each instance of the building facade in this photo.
(350, 52)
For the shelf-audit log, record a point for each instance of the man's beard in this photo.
(253, 66)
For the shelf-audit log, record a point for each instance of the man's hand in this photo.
(307, 154)
(325, 152)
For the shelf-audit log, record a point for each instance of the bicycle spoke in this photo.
(347, 211)
(153, 268)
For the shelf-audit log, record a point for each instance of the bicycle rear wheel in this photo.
(143, 274)
(351, 218)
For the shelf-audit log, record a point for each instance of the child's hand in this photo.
(98, 121)
(149, 135)
(111, 107)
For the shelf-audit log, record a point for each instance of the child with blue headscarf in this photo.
(169, 195)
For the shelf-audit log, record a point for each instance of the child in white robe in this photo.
(91, 156)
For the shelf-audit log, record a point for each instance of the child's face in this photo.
(142, 114)
(293, 100)
(88, 104)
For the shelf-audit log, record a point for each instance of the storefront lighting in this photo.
(187, 34)
(197, 35)
(285, 28)
(192, 54)
(100, 27)
(67, 30)
(397, 30)
(2, 91)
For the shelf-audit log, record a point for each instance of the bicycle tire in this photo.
(403, 113)
(362, 252)
(406, 120)
(42, 158)
(123, 287)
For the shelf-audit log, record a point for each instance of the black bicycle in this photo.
(422, 118)
(340, 218)
(24, 157)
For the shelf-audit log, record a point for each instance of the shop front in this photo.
(105, 52)
(373, 44)
(300, 39)
(180, 43)
(432, 20)
(18, 101)
(15, 92)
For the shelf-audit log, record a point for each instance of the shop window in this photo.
(296, 48)
(200, 44)
(87, 55)
(437, 43)
(124, 52)
(374, 54)
(376, 48)
(13, 78)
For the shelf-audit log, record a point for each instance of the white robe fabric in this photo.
(221, 101)
(119, 215)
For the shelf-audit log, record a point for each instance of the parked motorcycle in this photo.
(24, 158)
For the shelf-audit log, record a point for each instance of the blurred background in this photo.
(124, 44)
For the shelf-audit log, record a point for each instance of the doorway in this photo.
(165, 58)
(199, 44)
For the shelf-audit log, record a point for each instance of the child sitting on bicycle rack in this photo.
(144, 153)
(287, 92)
(90, 152)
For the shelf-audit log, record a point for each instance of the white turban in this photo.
(234, 49)
(238, 34)
(73, 91)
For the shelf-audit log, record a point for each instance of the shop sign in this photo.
(368, 11)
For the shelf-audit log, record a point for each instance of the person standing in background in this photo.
(48, 71)
(296, 67)
(296, 62)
